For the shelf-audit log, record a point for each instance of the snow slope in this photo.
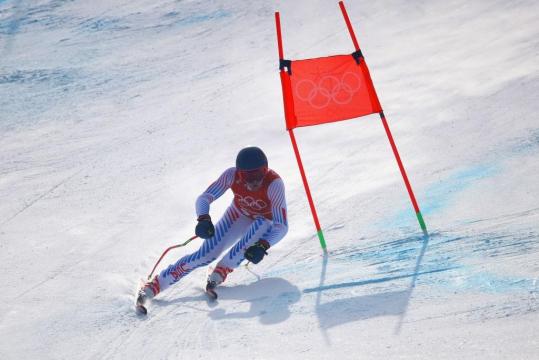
(115, 115)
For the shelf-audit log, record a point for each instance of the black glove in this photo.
(205, 228)
(255, 253)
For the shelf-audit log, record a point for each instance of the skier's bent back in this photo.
(255, 220)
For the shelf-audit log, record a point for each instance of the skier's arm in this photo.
(278, 208)
(214, 191)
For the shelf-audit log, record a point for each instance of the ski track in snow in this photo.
(115, 115)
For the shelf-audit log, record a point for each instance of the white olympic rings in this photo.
(328, 88)
(250, 202)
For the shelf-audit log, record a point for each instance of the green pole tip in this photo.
(422, 222)
(322, 240)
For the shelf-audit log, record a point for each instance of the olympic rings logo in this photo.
(250, 202)
(329, 88)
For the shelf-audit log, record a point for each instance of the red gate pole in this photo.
(307, 191)
(404, 176)
(294, 143)
(388, 133)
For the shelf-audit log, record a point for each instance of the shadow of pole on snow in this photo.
(319, 297)
(413, 281)
(388, 303)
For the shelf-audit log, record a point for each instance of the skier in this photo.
(255, 221)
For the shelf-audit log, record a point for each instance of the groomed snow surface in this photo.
(115, 115)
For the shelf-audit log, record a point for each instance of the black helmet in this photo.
(251, 158)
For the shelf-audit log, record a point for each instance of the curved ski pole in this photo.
(251, 271)
(167, 250)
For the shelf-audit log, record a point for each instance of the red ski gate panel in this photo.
(327, 89)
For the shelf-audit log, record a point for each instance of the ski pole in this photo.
(167, 250)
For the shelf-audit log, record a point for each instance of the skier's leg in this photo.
(229, 228)
(259, 227)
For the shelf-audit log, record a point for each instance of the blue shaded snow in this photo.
(44, 16)
(487, 282)
(439, 196)
(48, 77)
(195, 19)
(103, 24)
(443, 261)
(527, 145)
(373, 281)
(444, 250)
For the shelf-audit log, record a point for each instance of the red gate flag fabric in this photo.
(327, 89)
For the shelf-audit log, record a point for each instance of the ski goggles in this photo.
(253, 176)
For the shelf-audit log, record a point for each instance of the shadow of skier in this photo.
(342, 311)
(269, 300)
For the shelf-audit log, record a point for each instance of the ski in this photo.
(210, 286)
(141, 309)
(140, 303)
(211, 293)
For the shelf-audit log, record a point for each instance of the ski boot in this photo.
(217, 277)
(146, 293)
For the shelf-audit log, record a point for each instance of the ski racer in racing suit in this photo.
(255, 221)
